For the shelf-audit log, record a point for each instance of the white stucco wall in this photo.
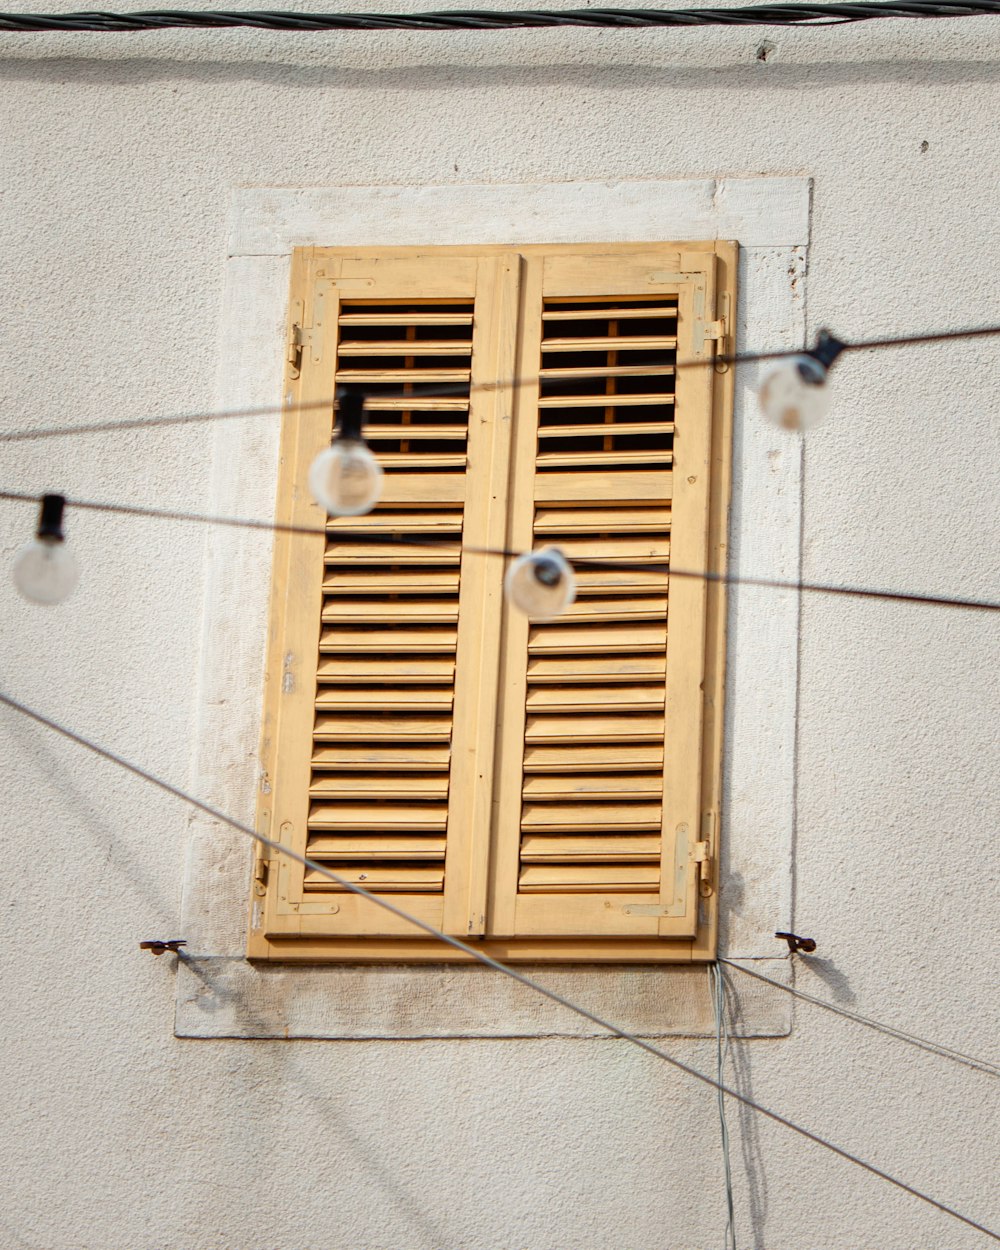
(120, 156)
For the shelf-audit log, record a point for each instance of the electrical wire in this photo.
(621, 566)
(717, 989)
(481, 957)
(934, 1048)
(433, 391)
(755, 15)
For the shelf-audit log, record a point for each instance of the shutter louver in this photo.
(379, 808)
(605, 407)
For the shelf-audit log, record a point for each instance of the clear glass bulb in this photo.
(345, 478)
(794, 395)
(45, 571)
(541, 583)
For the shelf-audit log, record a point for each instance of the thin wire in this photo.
(483, 958)
(622, 566)
(759, 15)
(718, 992)
(436, 392)
(935, 1048)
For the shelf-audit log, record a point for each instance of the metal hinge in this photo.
(296, 341)
(719, 331)
(261, 867)
(700, 856)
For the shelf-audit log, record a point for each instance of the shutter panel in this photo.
(538, 785)
(592, 849)
(390, 642)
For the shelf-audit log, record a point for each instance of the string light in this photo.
(345, 478)
(541, 583)
(794, 394)
(45, 570)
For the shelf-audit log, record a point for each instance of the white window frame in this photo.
(221, 994)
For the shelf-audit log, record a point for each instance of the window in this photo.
(547, 789)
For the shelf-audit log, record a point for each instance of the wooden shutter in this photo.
(549, 789)
(387, 685)
(603, 723)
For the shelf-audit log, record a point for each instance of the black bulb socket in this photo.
(826, 349)
(350, 415)
(50, 518)
(547, 571)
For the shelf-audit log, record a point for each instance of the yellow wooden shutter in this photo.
(382, 690)
(602, 721)
(547, 789)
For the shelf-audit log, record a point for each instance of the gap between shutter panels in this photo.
(382, 740)
(593, 756)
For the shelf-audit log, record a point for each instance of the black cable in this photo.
(934, 1048)
(483, 958)
(621, 566)
(486, 19)
(433, 391)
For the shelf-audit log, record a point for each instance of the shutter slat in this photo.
(391, 553)
(380, 641)
(587, 372)
(390, 460)
(416, 521)
(548, 730)
(601, 520)
(386, 846)
(589, 879)
(416, 488)
(401, 789)
(555, 639)
(616, 427)
(609, 313)
(390, 612)
(344, 580)
(428, 699)
(398, 347)
(610, 610)
(590, 668)
(413, 433)
(414, 403)
(609, 487)
(601, 459)
(607, 401)
(400, 377)
(592, 699)
(611, 581)
(538, 848)
(406, 317)
(563, 788)
(574, 817)
(407, 818)
(580, 758)
(375, 729)
(612, 343)
(376, 757)
(630, 548)
(383, 879)
(402, 671)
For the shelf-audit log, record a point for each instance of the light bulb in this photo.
(44, 569)
(541, 583)
(345, 478)
(794, 394)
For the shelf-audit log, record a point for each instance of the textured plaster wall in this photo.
(119, 155)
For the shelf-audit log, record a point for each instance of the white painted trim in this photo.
(222, 995)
